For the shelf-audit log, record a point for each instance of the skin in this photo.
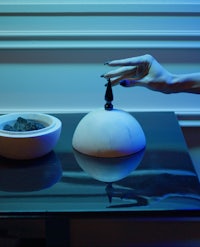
(146, 71)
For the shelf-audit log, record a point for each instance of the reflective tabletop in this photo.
(160, 179)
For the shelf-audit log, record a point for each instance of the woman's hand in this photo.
(140, 71)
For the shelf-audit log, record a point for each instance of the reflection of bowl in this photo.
(109, 169)
(29, 144)
(31, 175)
(103, 133)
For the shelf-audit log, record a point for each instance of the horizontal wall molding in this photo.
(99, 40)
(56, 25)
(111, 24)
(186, 119)
(38, 7)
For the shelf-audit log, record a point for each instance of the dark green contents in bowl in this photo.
(22, 124)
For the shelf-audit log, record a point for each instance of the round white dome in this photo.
(103, 133)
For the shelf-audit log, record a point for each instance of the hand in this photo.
(140, 71)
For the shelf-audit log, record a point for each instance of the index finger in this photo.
(133, 61)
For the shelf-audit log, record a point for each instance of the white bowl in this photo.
(29, 144)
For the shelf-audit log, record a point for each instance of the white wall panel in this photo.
(52, 53)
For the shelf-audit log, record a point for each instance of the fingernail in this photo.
(123, 83)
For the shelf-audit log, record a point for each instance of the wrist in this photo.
(185, 83)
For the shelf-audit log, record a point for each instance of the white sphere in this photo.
(103, 133)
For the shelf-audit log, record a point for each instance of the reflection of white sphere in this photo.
(103, 133)
(109, 169)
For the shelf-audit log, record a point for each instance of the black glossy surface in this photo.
(159, 179)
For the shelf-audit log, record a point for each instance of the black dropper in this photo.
(108, 97)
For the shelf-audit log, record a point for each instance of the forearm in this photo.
(189, 83)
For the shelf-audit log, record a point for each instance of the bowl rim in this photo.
(55, 124)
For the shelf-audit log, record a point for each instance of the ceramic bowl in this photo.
(29, 144)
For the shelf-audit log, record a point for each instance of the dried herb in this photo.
(22, 124)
